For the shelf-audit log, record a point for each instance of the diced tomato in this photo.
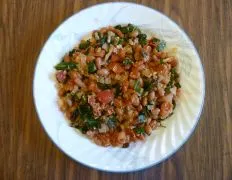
(114, 58)
(159, 68)
(105, 96)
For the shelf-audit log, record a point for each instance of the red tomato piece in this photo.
(105, 96)
(116, 67)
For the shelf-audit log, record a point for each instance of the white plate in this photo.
(164, 141)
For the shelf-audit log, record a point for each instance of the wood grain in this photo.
(26, 151)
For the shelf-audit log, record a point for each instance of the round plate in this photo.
(164, 141)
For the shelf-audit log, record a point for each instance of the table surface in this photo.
(26, 151)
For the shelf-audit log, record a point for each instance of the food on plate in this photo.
(118, 86)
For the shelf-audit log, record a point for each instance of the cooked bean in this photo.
(165, 109)
(138, 52)
(148, 120)
(80, 83)
(66, 58)
(153, 124)
(100, 54)
(167, 98)
(144, 101)
(151, 96)
(122, 137)
(119, 111)
(161, 91)
(103, 72)
(148, 129)
(155, 113)
(135, 100)
(90, 133)
(140, 107)
(163, 55)
(98, 62)
(104, 128)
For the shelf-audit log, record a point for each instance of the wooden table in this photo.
(26, 152)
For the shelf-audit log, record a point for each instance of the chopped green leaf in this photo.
(92, 67)
(73, 96)
(117, 89)
(142, 39)
(127, 61)
(137, 87)
(104, 86)
(84, 44)
(83, 129)
(161, 61)
(131, 27)
(71, 52)
(174, 103)
(85, 109)
(74, 115)
(66, 66)
(155, 40)
(148, 84)
(139, 130)
(83, 99)
(91, 122)
(103, 40)
(86, 116)
(127, 29)
(174, 74)
(178, 85)
(120, 41)
(161, 45)
(118, 27)
(168, 87)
